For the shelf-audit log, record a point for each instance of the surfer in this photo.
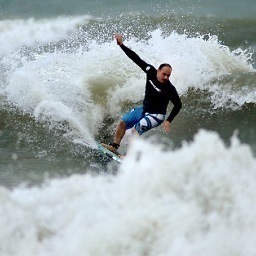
(158, 92)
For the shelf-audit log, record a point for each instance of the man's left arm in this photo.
(177, 105)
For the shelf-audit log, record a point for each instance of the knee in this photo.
(122, 124)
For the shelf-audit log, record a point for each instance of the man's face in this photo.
(163, 74)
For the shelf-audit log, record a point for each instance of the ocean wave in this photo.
(205, 185)
(15, 34)
(78, 83)
(82, 86)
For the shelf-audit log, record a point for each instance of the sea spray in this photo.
(195, 200)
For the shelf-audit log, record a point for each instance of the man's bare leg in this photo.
(135, 134)
(120, 132)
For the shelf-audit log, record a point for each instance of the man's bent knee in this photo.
(122, 125)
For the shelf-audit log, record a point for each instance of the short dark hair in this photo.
(165, 65)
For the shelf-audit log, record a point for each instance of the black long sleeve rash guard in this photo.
(157, 94)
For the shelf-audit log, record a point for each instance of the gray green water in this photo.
(64, 84)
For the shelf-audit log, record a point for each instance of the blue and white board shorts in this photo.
(141, 121)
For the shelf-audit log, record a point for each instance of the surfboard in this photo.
(109, 153)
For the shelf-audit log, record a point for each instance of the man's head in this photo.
(163, 72)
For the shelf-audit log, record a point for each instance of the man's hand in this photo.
(119, 39)
(166, 125)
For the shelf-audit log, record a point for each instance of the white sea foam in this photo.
(198, 200)
(19, 33)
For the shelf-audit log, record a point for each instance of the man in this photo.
(159, 91)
